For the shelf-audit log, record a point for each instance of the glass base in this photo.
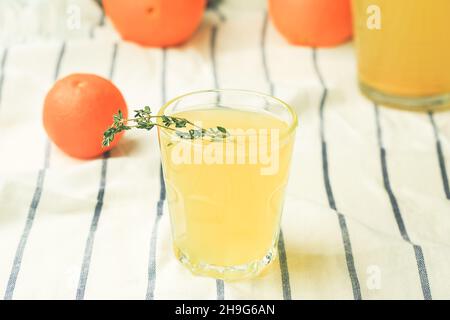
(238, 272)
(427, 103)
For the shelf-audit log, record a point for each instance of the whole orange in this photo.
(158, 23)
(78, 109)
(316, 23)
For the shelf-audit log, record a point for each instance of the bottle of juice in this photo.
(403, 50)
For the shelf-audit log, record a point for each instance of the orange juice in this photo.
(403, 49)
(225, 213)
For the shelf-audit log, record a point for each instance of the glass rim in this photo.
(292, 126)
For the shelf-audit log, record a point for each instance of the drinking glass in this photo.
(225, 196)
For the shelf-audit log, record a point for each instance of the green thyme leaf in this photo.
(143, 119)
(222, 129)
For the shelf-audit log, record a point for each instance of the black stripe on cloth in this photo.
(284, 268)
(440, 155)
(154, 238)
(397, 213)
(213, 55)
(98, 207)
(286, 286)
(48, 146)
(48, 150)
(102, 19)
(220, 288)
(100, 23)
(150, 295)
(113, 61)
(331, 200)
(220, 285)
(33, 207)
(163, 77)
(93, 228)
(59, 61)
(264, 54)
(220, 14)
(2, 71)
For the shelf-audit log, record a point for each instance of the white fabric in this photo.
(385, 264)
(35, 20)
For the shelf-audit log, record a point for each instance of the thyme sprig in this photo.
(143, 119)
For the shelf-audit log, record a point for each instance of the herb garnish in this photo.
(143, 119)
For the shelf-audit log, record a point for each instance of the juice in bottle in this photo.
(403, 50)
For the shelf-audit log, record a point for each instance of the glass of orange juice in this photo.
(225, 197)
(403, 50)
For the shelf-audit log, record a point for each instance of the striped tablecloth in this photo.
(367, 212)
